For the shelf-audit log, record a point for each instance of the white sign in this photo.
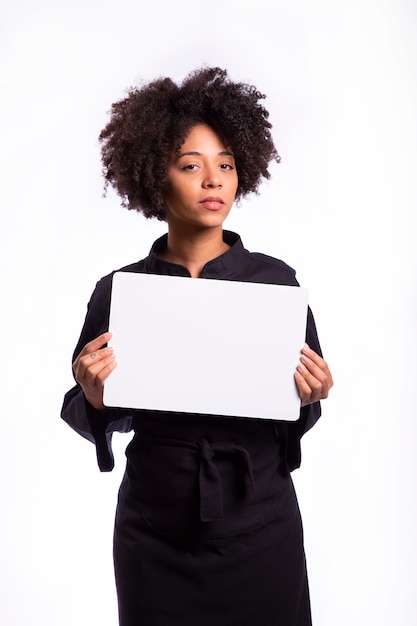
(206, 346)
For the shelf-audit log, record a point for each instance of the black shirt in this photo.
(235, 264)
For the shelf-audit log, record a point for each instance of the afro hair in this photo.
(152, 122)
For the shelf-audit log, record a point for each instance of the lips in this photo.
(213, 203)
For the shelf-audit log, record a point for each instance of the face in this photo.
(202, 181)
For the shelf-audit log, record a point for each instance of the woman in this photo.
(208, 530)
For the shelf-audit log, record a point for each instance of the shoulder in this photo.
(270, 269)
(241, 264)
(102, 291)
(272, 263)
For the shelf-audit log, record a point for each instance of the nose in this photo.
(212, 178)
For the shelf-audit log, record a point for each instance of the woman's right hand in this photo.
(92, 367)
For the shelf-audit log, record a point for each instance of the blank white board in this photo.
(205, 346)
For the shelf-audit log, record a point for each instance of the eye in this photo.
(226, 166)
(190, 167)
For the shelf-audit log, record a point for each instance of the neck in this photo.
(194, 250)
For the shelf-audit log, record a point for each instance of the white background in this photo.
(341, 208)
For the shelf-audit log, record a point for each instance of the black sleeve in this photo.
(290, 433)
(95, 425)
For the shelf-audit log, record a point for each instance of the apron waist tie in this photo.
(210, 482)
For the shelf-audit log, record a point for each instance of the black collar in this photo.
(223, 266)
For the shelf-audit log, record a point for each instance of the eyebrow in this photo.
(191, 153)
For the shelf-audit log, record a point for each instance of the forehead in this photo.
(202, 138)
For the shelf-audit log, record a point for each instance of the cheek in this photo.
(235, 184)
(171, 197)
(178, 190)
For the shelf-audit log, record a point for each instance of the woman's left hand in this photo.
(312, 376)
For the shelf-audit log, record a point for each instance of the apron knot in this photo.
(211, 489)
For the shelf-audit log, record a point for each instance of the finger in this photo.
(318, 390)
(314, 370)
(93, 390)
(313, 356)
(304, 391)
(96, 375)
(92, 347)
(95, 344)
(87, 367)
(309, 357)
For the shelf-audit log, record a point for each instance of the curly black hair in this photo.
(154, 120)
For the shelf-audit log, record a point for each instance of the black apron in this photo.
(208, 532)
